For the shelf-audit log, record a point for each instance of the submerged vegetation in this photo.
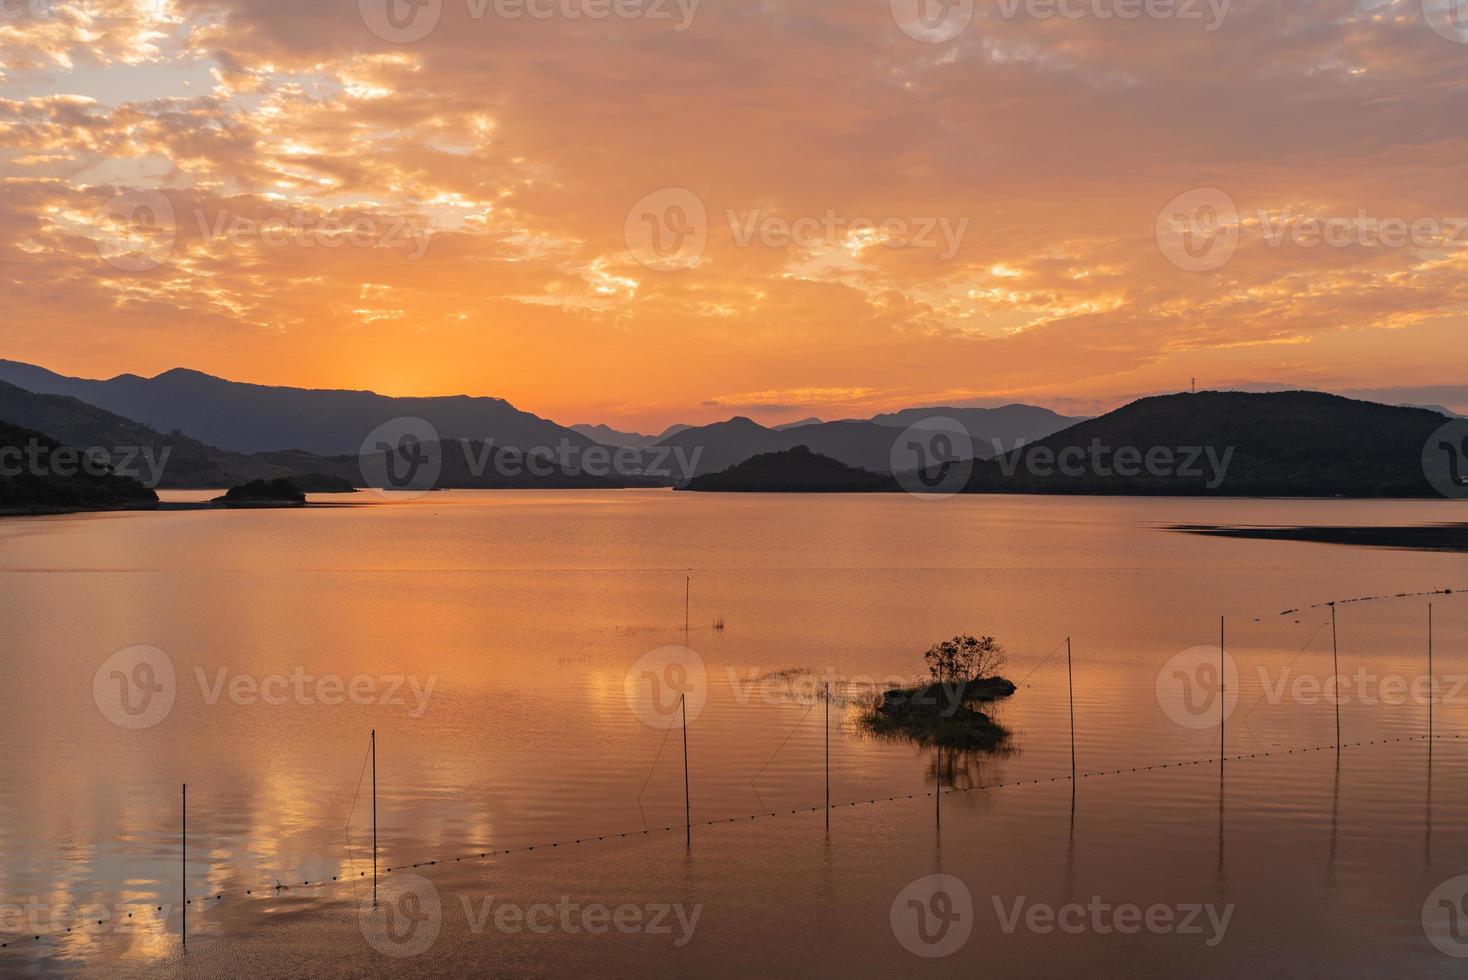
(941, 711)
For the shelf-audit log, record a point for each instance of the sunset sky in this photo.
(504, 172)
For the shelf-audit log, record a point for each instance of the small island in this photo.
(262, 493)
(797, 470)
(940, 711)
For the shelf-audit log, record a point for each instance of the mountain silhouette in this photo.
(866, 445)
(250, 418)
(796, 470)
(176, 461)
(1287, 444)
(41, 476)
(1227, 444)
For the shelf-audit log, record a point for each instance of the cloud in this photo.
(524, 143)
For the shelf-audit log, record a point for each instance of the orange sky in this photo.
(506, 174)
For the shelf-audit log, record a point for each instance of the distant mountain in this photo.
(1233, 444)
(1438, 409)
(605, 435)
(41, 476)
(179, 462)
(796, 470)
(172, 461)
(1288, 444)
(866, 445)
(994, 430)
(796, 425)
(251, 418)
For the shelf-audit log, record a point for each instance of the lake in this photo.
(510, 651)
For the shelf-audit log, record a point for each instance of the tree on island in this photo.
(965, 659)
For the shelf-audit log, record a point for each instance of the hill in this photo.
(605, 435)
(797, 470)
(994, 430)
(176, 461)
(866, 445)
(1225, 444)
(38, 475)
(172, 461)
(250, 418)
(1292, 444)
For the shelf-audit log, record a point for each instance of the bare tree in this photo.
(964, 659)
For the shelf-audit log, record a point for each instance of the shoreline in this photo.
(1450, 538)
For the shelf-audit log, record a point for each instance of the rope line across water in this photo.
(489, 853)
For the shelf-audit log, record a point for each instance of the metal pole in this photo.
(1222, 697)
(1431, 694)
(1071, 683)
(1335, 658)
(374, 818)
(183, 864)
(687, 805)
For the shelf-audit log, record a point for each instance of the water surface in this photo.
(519, 616)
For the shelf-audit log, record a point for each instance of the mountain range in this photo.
(869, 444)
(225, 430)
(190, 430)
(251, 418)
(1228, 444)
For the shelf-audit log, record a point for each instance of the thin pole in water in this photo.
(1071, 684)
(374, 818)
(183, 865)
(687, 598)
(828, 755)
(1431, 691)
(687, 805)
(1222, 696)
(1335, 659)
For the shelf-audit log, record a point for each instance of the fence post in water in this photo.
(828, 755)
(687, 805)
(183, 866)
(1071, 685)
(1431, 684)
(1335, 659)
(374, 818)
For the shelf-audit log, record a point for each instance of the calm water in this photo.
(501, 628)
